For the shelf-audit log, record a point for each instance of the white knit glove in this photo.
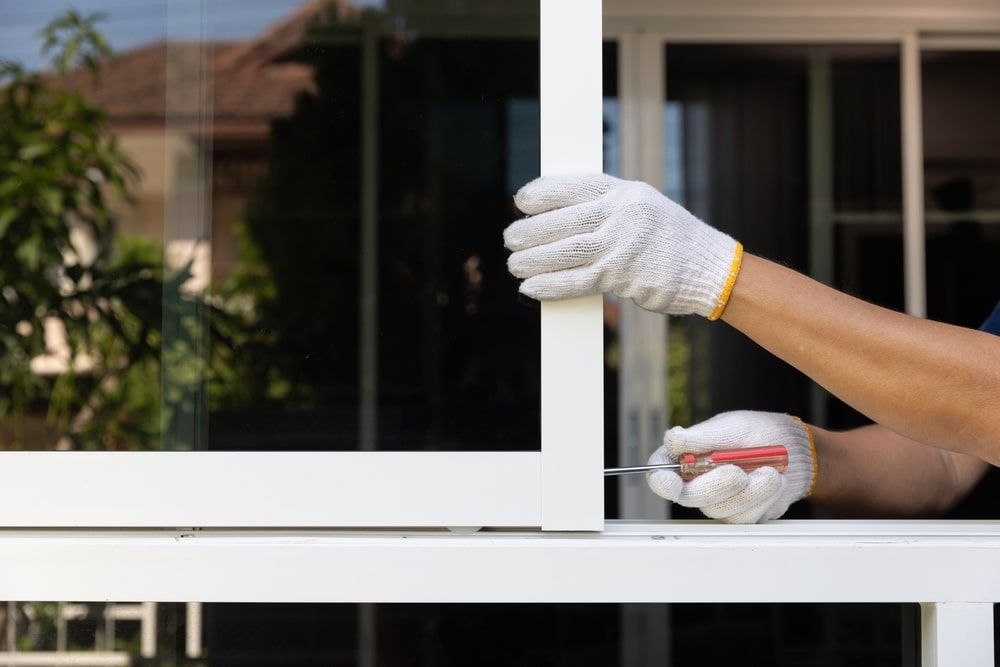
(727, 493)
(596, 233)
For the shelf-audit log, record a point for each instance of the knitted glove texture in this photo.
(728, 493)
(596, 233)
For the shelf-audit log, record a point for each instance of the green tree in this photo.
(61, 262)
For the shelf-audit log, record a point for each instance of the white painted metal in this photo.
(802, 20)
(821, 225)
(629, 92)
(367, 635)
(122, 612)
(136, 489)
(642, 338)
(572, 484)
(911, 101)
(61, 618)
(960, 42)
(147, 631)
(706, 29)
(807, 561)
(816, 9)
(371, 488)
(192, 630)
(105, 641)
(821, 240)
(817, 561)
(956, 634)
(642, 335)
(679, 21)
(652, 97)
(68, 659)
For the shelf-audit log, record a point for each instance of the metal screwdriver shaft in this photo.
(608, 472)
(691, 465)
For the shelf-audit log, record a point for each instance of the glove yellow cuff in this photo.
(727, 287)
(815, 458)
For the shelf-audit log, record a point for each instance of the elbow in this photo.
(970, 425)
(943, 504)
(960, 474)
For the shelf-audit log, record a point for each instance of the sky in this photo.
(134, 22)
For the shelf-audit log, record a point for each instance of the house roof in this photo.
(251, 83)
(146, 83)
(287, 35)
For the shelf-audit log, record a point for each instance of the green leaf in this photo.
(8, 186)
(31, 151)
(7, 216)
(30, 252)
(53, 199)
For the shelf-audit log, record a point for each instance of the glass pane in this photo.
(456, 634)
(612, 341)
(961, 104)
(794, 150)
(311, 255)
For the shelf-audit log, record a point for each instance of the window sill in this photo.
(785, 561)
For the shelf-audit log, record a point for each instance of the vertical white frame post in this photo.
(821, 224)
(642, 338)
(914, 267)
(572, 482)
(193, 630)
(956, 633)
(642, 335)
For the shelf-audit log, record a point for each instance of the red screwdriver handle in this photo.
(749, 459)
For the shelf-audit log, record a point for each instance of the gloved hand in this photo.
(728, 493)
(596, 233)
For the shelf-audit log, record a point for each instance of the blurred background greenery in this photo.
(81, 306)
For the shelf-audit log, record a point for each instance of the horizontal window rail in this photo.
(269, 489)
(947, 566)
(682, 561)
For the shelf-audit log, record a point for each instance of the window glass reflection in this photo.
(794, 149)
(114, 633)
(295, 241)
(962, 205)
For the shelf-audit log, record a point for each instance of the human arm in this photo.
(873, 471)
(864, 472)
(933, 383)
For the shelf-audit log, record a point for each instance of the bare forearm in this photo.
(875, 472)
(932, 382)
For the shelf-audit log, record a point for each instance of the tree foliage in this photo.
(63, 267)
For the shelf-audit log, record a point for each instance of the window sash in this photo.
(559, 487)
(270, 489)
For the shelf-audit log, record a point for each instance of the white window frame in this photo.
(956, 629)
(947, 566)
(559, 487)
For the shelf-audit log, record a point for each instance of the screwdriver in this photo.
(690, 466)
